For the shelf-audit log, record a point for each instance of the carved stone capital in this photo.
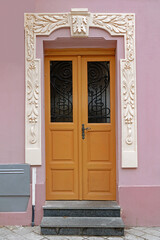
(79, 20)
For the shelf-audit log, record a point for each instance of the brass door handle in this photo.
(83, 131)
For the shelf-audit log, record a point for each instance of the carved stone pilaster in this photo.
(124, 25)
(36, 24)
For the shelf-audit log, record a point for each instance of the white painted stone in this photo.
(135, 232)
(33, 236)
(11, 235)
(22, 230)
(79, 21)
(150, 237)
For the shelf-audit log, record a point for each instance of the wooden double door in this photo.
(80, 125)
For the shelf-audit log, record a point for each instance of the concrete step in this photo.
(81, 209)
(89, 226)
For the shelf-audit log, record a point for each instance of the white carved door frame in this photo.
(79, 21)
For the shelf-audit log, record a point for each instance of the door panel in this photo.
(61, 128)
(99, 177)
(80, 90)
(96, 139)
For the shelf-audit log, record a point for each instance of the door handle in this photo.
(83, 131)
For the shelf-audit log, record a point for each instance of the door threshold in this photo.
(89, 204)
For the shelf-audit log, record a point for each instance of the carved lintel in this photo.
(45, 24)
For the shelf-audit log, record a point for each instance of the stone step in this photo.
(89, 226)
(81, 209)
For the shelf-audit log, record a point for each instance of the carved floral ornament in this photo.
(79, 21)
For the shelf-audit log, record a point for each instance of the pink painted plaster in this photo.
(141, 184)
(140, 205)
(12, 79)
(40, 201)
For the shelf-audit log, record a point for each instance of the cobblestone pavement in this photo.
(33, 233)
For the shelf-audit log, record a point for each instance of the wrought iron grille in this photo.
(61, 91)
(98, 92)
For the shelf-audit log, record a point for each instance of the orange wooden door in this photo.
(79, 168)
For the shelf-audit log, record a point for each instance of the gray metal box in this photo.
(14, 187)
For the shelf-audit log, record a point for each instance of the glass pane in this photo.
(98, 92)
(61, 91)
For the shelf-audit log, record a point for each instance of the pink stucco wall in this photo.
(138, 189)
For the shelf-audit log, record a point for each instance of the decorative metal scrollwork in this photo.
(61, 91)
(98, 92)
